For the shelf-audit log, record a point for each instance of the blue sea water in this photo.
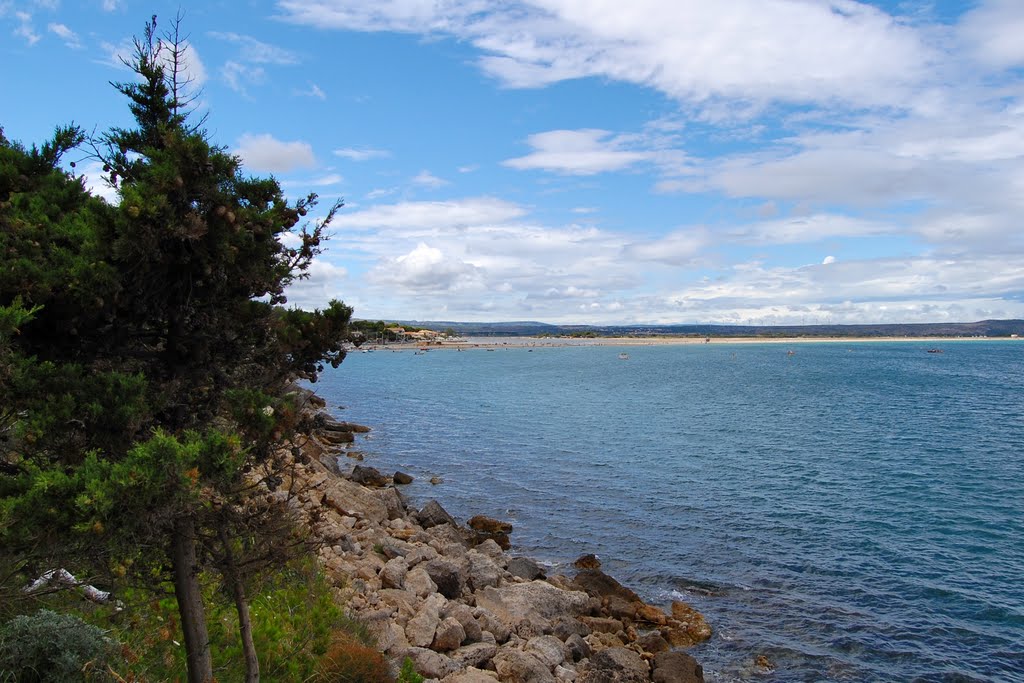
(854, 512)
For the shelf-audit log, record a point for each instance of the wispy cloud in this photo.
(361, 154)
(427, 179)
(66, 34)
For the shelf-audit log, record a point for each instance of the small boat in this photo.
(790, 353)
(623, 356)
(934, 350)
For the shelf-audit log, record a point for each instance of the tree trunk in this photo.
(190, 602)
(252, 662)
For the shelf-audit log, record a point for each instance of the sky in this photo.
(597, 161)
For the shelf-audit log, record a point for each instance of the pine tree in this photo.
(144, 350)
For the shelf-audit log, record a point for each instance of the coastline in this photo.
(492, 343)
(456, 600)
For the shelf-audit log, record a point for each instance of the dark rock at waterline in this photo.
(589, 561)
(368, 476)
(402, 478)
(433, 515)
(525, 568)
(677, 667)
(596, 583)
(489, 528)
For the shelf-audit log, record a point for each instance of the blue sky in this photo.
(599, 161)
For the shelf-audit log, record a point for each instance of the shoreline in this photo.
(490, 343)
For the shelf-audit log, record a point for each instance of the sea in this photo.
(848, 511)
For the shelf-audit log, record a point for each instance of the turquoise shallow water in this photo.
(855, 512)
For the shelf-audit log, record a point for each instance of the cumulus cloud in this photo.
(426, 269)
(263, 152)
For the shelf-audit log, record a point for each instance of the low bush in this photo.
(47, 647)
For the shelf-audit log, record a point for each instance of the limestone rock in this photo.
(533, 600)
(482, 571)
(577, 647)
(421, 628)
(464, 615)
(515, 666)
(488, 528)
(418, 582)
(471, 675)
(368, 476)
(653, 643)
(692, 621)
(401, 478)
(475, 654)
(404, 602)
(491, 623)
(392, 574)
(603, 641)
(677, 667)
(393, 502)
(493, 551)
(651, 614)
(525, 568)
(428, 663)
(602, 624)
(615, 665)
(448, 636)
(595, 582)
(548, 649)
(352, 500)
(433, 515)
(448, 577)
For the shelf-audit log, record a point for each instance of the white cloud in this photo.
(993, 32)
(239, 76)
(426, 269)
(577, 152)
(66, 34)
(25, 29)
(111, 5)
(322, 181)
(828, 260)
(691, 50)
(256, 51)
(455, 214)
(361, 154)
(314, 91)
(428, 179)
(265, 153)
(92, 175)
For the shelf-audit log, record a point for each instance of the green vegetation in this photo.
(47, 647)
(145, 354)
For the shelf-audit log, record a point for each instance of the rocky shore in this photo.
(453, 600)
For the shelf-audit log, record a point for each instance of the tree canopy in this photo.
(145, 346)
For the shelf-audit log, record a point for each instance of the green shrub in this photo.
(47, 647)
(408, 674)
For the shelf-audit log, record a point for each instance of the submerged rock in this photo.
(677, 667)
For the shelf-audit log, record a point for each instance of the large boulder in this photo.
(474, 654)
(418, 582)
(548, 649)
(433, 515)
(615, 665)
(349, 499)
(471, 675)
(448, 576)
(392, 574)
(535, 600)
(428, 663)
(525, 568)
(677, 667)
(516, 666)
(487, 528)
(595, 582)
(421, 628)
(448, 636)
(483, 571)
(368, 476)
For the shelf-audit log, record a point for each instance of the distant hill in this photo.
(983, 328)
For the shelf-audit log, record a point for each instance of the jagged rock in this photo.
(602, 624)
(475, 654)
(330, 461)
(393, 502)
(448, 636)
(578, 647)
(490, 623)
(448, 577)
(515, 666)
(493, 551)
(418, 582)
(420, 553)
(589, 561)
(533, 600)
(428, 663)
(405, 602)
(653, 643)
(677, 667)
(695, 624)
(595, 582)
(620, 608)
(447, 540)
(401, 478)
(525, 568)
(564, 674)
(392, 574)
(464, 615)
(433, 515)
(352, 500)
(490, 528)
(615, 665)
(421, 628)
(564, 627)
(471, 675)
(531, 628)
(368, 476)
(482, 571)
(548, 649)
(603, 641)
(393, 547)
(651, 615)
